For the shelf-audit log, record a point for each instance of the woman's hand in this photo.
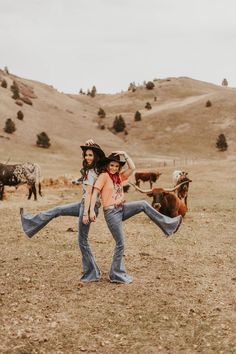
(89, 142)
(85, 219)
(92, 216)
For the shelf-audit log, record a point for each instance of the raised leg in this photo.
(167, 225)
(32, 224)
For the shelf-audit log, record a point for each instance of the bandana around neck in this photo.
(115, 177)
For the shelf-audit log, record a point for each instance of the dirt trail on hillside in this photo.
(179, 103)
(182, 300)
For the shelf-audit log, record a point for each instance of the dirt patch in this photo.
(182, 299)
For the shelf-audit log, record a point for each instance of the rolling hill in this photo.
(179, 125)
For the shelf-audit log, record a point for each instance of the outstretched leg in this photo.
(167, 225)
(32, 224)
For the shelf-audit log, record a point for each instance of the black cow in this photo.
(15, 175)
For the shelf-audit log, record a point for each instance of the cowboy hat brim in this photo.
(114, 157)
(96, 148)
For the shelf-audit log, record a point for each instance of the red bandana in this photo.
(115, 177)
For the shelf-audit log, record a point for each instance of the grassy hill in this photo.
(179, 125)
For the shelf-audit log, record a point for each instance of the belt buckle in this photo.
(118, 205)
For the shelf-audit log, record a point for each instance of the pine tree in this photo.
(119, 124)
(137, 116)
(101, 113)
(150, 85)
(148, 106)
(20, 115)
(9, 126)
(93, 91)
(15, 90)
(224, 82)
(221, 143)
(4, 83)
(43, 140)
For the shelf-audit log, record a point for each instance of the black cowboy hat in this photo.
(96, 148)
(115, 157)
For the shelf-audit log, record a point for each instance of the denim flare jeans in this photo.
(114, 218)
(32, 224)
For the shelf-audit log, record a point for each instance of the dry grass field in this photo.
(183, 298)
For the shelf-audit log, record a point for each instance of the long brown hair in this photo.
(96, 165)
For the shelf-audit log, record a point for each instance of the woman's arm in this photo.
(95, 194)
(130, 163)
(87, 201)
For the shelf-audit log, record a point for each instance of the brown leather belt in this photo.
(113, 206)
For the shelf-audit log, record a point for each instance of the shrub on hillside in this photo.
(208, 103)
(101, 113)
(148, 106)
(15, 90)
(150, 85)
(224, 82)
(119, 124)
(221, 143)
(6, 70)
(9, 126)
(137, 116)
(4, 83)
(101, 126)
(132, 87)
(93, 91)
(20, 115)
(43, 140)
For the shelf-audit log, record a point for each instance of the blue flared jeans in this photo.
(32, 224)
(115, 216)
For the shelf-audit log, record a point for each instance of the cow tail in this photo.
(38, 177)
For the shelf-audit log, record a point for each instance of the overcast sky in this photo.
(73, 44)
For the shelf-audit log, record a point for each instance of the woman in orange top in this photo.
(109, 185)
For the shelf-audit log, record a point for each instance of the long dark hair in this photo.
(96, 165)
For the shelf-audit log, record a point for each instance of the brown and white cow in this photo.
(178, 178)
(146, 177)
(15, 175)
(165, 200)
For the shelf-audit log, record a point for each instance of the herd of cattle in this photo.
(170, 202)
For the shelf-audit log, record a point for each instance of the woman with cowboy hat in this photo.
(109, 185)
(31, 224)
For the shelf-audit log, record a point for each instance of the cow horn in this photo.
(176, 187)
(139, 189)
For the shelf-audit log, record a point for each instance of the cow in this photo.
(15, 175)
(166, 201)
(145, 177)
(182, 191)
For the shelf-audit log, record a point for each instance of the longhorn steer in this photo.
(166, 201)
(145, 177)
(15, 175)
